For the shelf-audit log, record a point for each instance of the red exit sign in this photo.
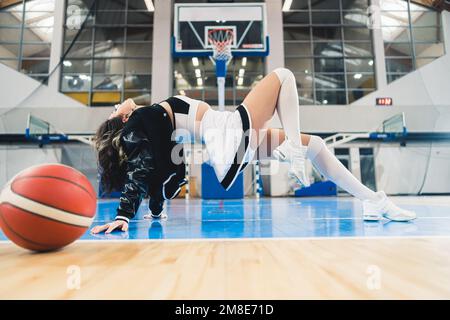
(384, 101)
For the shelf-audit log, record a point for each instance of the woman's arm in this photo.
(140, 167)
(125, 109)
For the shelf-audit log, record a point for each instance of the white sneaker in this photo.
(384, 207)
(296, 156)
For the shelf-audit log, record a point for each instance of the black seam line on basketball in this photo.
(44, 217)
(234, 169)
(57, 178)
(20, 236)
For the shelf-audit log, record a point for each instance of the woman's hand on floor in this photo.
(110, 227)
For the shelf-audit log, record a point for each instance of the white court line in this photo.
(91, 241)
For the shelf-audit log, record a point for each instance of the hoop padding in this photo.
(221, 40)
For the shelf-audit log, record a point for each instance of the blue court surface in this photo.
(276, 218)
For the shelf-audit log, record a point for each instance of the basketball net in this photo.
(221, 40)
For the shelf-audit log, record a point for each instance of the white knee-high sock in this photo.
(334, 170)
(287, 105)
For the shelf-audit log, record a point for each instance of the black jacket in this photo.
(155, 164)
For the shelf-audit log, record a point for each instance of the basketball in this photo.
(47, 207)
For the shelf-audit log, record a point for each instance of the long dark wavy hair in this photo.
(110, 155)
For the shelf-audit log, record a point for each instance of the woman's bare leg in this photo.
(276, 91)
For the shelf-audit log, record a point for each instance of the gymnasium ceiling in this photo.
(438, 4)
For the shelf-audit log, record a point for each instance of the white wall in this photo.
(60, 110)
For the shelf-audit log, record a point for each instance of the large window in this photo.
(412, 36)
(26, 29)
(329, 48)
(196, 78)
(110, 59)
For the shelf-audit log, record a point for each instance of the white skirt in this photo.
(227, 137)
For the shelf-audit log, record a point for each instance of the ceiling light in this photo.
(198, 73)
(150, 6)
(357, 76)
(195, 61)
(241, 72)
(244, 61)
(240, 81)
(67, 63)
(199, 82)
(287, 5)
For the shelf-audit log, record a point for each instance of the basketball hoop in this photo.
(221, 40)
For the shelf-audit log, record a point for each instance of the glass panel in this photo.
(39, 19)
(133, 81)
(394, 76)
(429, 49)
(139, 97)
(299, 65)
(107, 82)
(361, 80)
(110, 17)
(10, 35)
(328, 49)
(304, 80)
(109, 49)
(403, 65)
(138, 66)
(10, 18)
(36, 50)
(358, 49)
(140, 17)
(114, 34)
(85, 34)
(328, 65)
(355, 94)
(359, 65)
(300, 5)
(395, 18)
(326, 17)
(326, 33)
(329, 81)
(355, 33)
(79, 82)
(355, 18)
(14, 64)
(294, 17)
(396, 34)
(425, 19)
(427, 34)
(108, 66)
(37, 35)
(76, 66)
(361, 5)
(330, 97)
(297, 49)
(105, 98)
(420, 62)
(35, 66)
(39, 5)
(139, 34)
(139, 49)
(397, 49)
(78, 49)
(325, 5)
(9, 50)
(296, 33)
(111, 5)
(306, 96)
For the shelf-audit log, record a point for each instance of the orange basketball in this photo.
(47, 207)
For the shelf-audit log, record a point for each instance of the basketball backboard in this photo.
(193, 22)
